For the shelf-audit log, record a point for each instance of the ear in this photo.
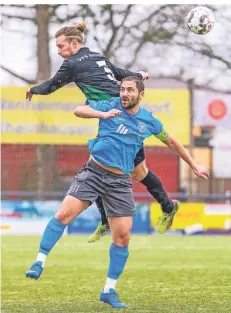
(141, 94)
(74, 43)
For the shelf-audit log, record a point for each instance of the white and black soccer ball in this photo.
(200, 20)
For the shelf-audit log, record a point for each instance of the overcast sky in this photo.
(18, 53)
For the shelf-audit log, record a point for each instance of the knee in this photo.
(140, 172)
(64, 216)
(122, 239)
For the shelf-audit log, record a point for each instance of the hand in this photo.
(201, 171)
(29, 95)
(110, 114)
(145, 75)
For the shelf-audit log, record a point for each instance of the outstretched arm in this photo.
(85, 111)
(176, 146)
(61, 78)
(120, 73)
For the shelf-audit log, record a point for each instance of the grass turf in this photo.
(164, 274)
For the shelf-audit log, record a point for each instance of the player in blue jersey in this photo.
(123, 127)
(98, 79)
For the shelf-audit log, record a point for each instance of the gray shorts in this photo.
(114, 189)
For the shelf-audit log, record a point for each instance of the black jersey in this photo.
(91, 72)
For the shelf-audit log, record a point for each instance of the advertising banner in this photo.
(31, 218)
(207, 216)
(50, 119)
(212, 109)
(222, 152)
(88, 220)
(26, 217)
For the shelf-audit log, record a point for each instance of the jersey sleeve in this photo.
(156, 125)
(120, 73)
(105, 105)
(158, 129)
(61, 78)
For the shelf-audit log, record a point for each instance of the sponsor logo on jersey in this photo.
(122, 129)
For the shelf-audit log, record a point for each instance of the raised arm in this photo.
(177, 147)
(61, 78)
(97, 109)
(120, 73)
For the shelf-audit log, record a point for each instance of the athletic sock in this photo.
(118, 259)
(156, 189)
(52, 233)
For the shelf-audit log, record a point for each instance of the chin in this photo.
(125, 105)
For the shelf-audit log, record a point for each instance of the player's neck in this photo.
(133, 110)
(80, 46)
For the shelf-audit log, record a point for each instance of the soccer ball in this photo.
(200, 20)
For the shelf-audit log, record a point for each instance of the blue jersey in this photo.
(120, 138)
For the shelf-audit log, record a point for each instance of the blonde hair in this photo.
(75, 31)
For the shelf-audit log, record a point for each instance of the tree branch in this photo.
(206, 51)
(127, 12)
(116, 28)
(114, 32)
(53, 9)
(65, 19)
(153, 14)
(137, 50)
(17, 6)
(28, 81)
(17, 31)
(98, 43)
(81, 10)
(179, 78)
(18, 17)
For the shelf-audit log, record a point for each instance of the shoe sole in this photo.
(112, 306)
(30, 275)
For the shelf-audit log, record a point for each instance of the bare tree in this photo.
(130, 35)
(39, 16)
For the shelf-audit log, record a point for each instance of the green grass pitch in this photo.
(164, 274)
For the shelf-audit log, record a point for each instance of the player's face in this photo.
(65, 49)
(129, 94)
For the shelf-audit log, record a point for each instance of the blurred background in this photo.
(189, 90)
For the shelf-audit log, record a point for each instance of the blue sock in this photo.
(118, 259)
(51, 235)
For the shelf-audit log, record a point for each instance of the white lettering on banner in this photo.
(42, 128)
(217, 209)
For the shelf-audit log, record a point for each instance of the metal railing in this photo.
(58, 195)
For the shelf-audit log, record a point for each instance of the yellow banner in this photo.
(213, 216)
(172, 108)
(50, 119)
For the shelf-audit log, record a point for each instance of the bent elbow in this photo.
(77, 112)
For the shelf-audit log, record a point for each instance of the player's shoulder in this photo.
(95, 54)
(69, 62)
(145, 113)
(115, 101)
(148, 115)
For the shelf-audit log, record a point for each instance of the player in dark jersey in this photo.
(98, 79)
